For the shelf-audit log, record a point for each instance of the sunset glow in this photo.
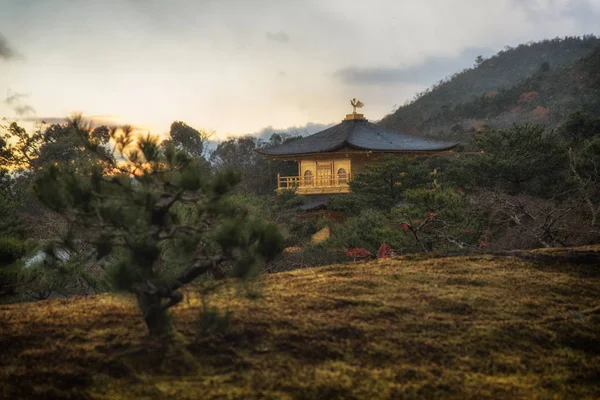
(238, 67)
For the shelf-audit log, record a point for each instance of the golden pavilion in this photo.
(328, 159)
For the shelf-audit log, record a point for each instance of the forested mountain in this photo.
(539, 82)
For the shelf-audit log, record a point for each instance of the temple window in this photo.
(308, 177)
(342, 176)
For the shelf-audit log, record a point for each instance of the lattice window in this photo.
(342, 176)
(308, 178)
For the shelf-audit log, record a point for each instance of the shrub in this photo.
(365, 231)
(11, 276)
(357, 253)
(436, 219)
(11, 249)
(10, 223)
(385, 251)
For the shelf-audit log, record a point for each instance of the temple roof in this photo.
(358, 134)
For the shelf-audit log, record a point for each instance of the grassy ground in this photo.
(462, 327)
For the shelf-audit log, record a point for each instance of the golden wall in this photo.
(337, 163)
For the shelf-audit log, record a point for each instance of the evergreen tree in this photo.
(436, 219)
(188, 139)
(382, 185)
(522, 159)
(258, 174)
(585, 169)
(578, 127)
(28, 152)
(158, 220)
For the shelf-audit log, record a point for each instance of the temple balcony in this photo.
(320, 184)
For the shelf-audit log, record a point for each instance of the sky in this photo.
(246, 66)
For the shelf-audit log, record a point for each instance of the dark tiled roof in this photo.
(358, 134)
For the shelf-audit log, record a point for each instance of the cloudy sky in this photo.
(239, 66)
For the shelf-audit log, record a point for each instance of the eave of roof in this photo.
(357, 151)
(360, 135)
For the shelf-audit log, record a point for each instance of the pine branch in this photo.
(201, 267)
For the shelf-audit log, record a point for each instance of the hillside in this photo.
(559, 76)
(462, 327)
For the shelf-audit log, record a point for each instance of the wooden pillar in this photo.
(278, 181)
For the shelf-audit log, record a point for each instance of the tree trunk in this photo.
(155, 314)
(150, 295)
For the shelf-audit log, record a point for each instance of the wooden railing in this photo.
(291, 182)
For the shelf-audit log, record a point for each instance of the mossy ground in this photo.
(476, 327)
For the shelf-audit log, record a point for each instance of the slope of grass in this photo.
(460, 327)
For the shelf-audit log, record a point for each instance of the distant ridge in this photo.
(534, 82)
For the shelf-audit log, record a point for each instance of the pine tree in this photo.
(157, 217)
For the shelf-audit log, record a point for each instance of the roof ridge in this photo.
(360, 134)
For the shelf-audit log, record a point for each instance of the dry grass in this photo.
(462, 327)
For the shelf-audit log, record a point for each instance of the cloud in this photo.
(6, 52)
(585, 14)
(45, 120)
(581, 10)
(280, 37)
(96, 120)
(265, 134)
(24, 110)
(432, 69)
(304, 130)
(14, 100)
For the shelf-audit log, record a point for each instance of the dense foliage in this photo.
(384, 183)
(187, 139)
(159, 220)
(259, 175)
(521, 159)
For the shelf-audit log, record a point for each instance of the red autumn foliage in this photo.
(385, 251)
(357, 252)
(528, 97)
(540, 112)
(431, 216)
(516, 110)
(478, 125)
